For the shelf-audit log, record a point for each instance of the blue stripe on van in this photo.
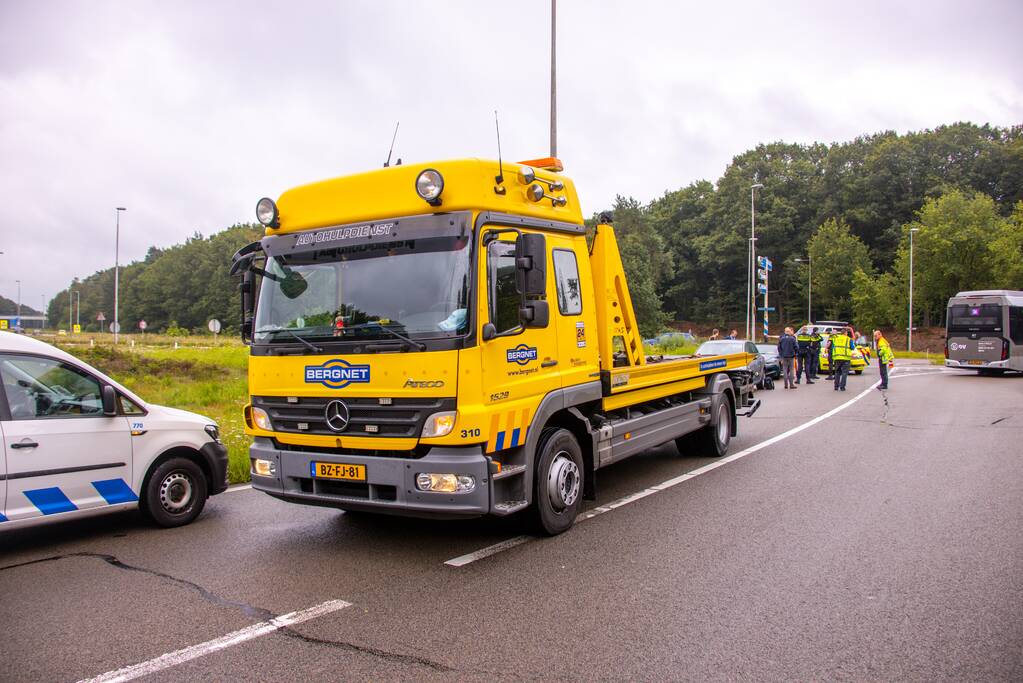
(115, 491)
(2, 518)
(50, 501)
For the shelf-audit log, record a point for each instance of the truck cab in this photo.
(443, 340)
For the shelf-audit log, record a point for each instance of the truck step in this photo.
(507, 507)
(510, 471)
(751, 408)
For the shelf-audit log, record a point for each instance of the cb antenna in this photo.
(391, 150)
(499, 188)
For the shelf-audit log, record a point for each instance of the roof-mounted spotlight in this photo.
(266, 213)
(429, 185)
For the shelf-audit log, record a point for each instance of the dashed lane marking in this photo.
(187, 654)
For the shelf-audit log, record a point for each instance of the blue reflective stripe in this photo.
(515, 437)
(115, 491)
(2, 518)
(50, 501)
(500, 441)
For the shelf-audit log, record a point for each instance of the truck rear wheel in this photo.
(711, 440)
(558, 484)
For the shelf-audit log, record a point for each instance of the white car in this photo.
(77, 443)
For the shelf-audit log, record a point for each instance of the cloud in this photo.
(188, 112)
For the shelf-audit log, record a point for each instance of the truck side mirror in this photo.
(489, 331)
(531, 264)
(535, 314)
(247, 304)
(109, 395)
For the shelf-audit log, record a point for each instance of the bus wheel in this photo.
(558, 484)
(712, 439)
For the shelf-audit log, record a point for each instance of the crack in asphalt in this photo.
(1000, 419)
(256, 613)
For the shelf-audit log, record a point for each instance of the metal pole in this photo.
(909, 342)
(19, 298)
(809, 292)
(70, 308)
(554, 81)
(751, 314)
(117, 270)
(78, 307)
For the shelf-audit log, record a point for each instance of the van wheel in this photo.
(558, 484)
(175, 493)
(711, 440)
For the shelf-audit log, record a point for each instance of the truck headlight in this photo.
(264, 468)
(439, 424)
(445, 483)
(266, 213)
(429, 185)
(213, 431)
(261, 419)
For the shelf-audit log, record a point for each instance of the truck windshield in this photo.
(418, 288)
(975, 318)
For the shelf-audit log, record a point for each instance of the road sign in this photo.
(3, 324)
(214, 326)
(762, 288)
(769, 308)
(114, 327)
(100, 317)
(142, 325)
(77, 329)
(765, 262)
(762, 274)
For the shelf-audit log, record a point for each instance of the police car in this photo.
(76, 443)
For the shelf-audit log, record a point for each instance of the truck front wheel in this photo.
(712, 439)
(558, 484)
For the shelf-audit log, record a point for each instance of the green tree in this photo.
(837, 254)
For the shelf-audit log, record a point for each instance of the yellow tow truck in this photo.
(441, 340)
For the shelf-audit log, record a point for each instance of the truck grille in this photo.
(402, 417)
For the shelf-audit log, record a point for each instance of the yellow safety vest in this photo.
(884, 351)
(840, 347)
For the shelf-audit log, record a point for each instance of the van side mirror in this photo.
(109, 395)
(535, 314)
(531, 264)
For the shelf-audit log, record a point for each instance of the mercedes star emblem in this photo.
(337, 415)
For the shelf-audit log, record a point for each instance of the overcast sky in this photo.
(186, 113)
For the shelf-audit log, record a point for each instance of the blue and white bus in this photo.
(984, 331)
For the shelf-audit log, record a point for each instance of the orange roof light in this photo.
(547, 164)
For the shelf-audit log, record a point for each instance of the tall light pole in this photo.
(809, 287)
(909, 342)
(554, 80)
(117, 244)
(78, 307)
(752, 253)
(70, 309)
(19, 298)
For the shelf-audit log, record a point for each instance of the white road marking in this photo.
(469, 558)
(187, 654)
(238, 487)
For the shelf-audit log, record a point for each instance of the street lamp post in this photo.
(751, 267)
(70, 309)
(78, 307)
(809, 287)
(909, 342)
(117, 244)
(19, 298)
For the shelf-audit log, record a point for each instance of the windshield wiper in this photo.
(311, 346)
(418, 345)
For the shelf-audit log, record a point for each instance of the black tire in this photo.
(175, 493)
(711, 440)
(769, 383)
(558, 484)
(857, 372)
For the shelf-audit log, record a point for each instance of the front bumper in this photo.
(390, 485)
(966, 365)
(215, 455)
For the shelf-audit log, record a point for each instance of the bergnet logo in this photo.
(336, 374)
(521, 354)
(711, 364)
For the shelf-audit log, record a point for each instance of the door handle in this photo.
(548, 363)
(25, 444)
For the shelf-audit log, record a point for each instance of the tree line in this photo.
(848, 206)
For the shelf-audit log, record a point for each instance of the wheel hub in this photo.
(563, 482)
(176, 492)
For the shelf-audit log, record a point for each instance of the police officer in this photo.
(803, 339)
(815, 353)
(842, 347)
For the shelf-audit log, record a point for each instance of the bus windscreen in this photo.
(975, 318)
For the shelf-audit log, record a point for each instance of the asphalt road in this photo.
(884, 541)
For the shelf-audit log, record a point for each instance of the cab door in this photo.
(62, 453)
(573, 310)
(521, 364)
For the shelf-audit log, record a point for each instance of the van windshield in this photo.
(975, 318)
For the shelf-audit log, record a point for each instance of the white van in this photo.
(77, 443)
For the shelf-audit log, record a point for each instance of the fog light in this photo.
(439, 424)
(445, 483)
(264, 468)
(261, 419)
